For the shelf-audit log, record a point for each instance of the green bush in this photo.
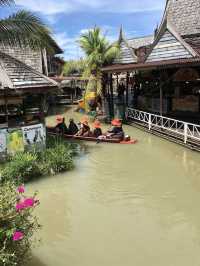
(58, 159)
(54, 141)
(15, 249)
(22, 166)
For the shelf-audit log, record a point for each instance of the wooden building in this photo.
(160, 73)
(40, 60)
(72, 89)
(23, 91)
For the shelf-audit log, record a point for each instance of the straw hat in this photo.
(97, 124)
(84, 120)
(59, 118)
(116, 122)
(85, 123)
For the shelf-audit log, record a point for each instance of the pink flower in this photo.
(21, 189)
(26, 203)
(29, 202)
(18, 236)
(20, 206)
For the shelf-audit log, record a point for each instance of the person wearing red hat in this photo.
(97, 132)
(61, 126)
(116, 131)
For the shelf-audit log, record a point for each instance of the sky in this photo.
(68, 19)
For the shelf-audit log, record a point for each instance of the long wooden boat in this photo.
(52, 132)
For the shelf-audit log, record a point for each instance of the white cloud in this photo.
(49, 7)
(69, 45)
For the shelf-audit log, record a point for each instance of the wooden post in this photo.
(127, 84)
(111, 97)
(6, 104)
(107, 87)
(161, 100)
(199, 103)
(117, 82)
(185, 132)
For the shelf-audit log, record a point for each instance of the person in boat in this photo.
(97, 132)
(72, 128)
(85, 129)
(61, 126)
(116, 131)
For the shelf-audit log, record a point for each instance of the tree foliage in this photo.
(74, 67)
(25, 29)
(98, 50)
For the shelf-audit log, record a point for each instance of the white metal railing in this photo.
(187, 130)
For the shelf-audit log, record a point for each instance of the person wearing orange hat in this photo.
(85, 128)
(97, 132)
(116, 131)
(61, 126)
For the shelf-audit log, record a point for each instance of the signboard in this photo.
(34, 137)
(3, 143)
(15, 141)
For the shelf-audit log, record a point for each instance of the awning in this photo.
(176, 63)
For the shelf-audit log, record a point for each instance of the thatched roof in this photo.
(184, 15)
(16, 75)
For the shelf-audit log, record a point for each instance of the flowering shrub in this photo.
(17, 224)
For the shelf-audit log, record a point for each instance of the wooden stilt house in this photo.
(162, 73)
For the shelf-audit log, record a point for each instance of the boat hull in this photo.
(52, 132)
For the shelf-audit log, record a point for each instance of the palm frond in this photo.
(25, 29)
(99, 52)
(97, 49)
(6, 2)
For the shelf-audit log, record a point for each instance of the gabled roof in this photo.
(128, 46)
(170, 45)
(126, 54)
(194, 42)
(184, 15)
(16, 75)
(136, 43)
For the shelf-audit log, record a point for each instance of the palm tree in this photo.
(99, 52)
(24, 29)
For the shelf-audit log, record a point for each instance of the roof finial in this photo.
(121, 34)
(156, 31)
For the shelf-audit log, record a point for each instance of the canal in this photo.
(122, 206)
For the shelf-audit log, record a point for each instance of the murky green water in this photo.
(123, 206)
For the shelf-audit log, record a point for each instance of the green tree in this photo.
(99, 52)
(74, 67)
(24, 29)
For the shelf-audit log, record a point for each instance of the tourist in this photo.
(85, 129)
(61, 126)
(116, 131)
(72, 128)
(97, 132)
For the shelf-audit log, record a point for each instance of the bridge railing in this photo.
(186, 130)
